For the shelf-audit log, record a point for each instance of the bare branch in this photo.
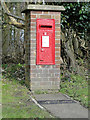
(17, 17)
(13, 20)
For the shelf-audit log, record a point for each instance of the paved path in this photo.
(61, 106)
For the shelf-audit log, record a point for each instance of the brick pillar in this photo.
(41, 77)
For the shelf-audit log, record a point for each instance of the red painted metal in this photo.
(45, 42)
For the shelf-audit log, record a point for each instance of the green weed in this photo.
(76, 87)
(41, 92)
(14, 71)
(16, 102)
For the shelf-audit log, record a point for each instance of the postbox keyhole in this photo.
(41, 60)
(42, 50)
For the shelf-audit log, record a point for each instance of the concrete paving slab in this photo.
(65, 108)
(55, 96)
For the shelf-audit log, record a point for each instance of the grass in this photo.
(41, 92)
(16, 97)
(75, 87)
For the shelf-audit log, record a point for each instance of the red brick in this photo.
(32, 49)
(57, 29)
(57, 58)
(57, 42)
(57, 21)
(33, 20)
(57, 17)
(52, 16)
(33, 37)
(33, 24)
(33, 16)
(38, 16)
(57, 45)
(45, 16)
(33, 45)
(57, 37)
(39, 12)
(36, 12)
(56, 66)
(57, 54)
(45, 12)
(32, 58)
(57, 49)
(57, 25)
(57, 33)
(33, 33)
(32, 29)
(32, 54)
(57, 62)
(52, 13)
(32, 41)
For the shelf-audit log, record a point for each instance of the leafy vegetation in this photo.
(76, 15)
(16, 97)
(76, 87)
(74, 51)
(76, 19)
(14, 71)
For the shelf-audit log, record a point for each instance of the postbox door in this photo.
(46, 46)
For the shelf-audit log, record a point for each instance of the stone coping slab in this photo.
(43, 8)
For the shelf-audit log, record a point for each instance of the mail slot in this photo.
(45, 27)
(45, 42)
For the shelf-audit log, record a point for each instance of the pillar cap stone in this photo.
(33, 7)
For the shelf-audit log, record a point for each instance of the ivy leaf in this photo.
(81, 18)
(80, 12)
(71, 5)
(85, 16)
(67, 24)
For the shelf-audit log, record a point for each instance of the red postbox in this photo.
(45, 42)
